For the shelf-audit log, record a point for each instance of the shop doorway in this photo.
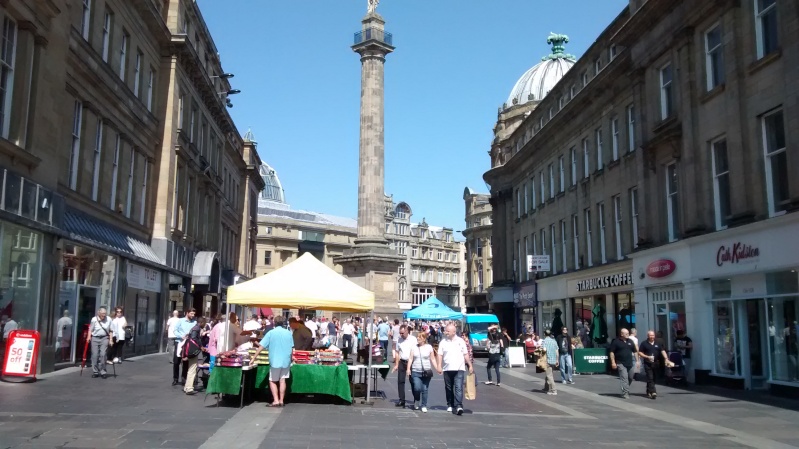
(86, 309)
(756, 362)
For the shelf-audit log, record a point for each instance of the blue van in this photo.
(475, 325)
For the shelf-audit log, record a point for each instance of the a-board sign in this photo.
(22, 351)
(516, 356)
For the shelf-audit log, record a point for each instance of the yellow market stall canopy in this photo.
(305, 283)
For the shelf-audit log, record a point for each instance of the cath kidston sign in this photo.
(22, 351)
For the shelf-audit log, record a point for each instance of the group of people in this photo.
(107, 337)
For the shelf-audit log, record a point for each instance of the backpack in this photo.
(191, 347)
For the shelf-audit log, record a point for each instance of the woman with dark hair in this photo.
(495, 347)
(421, 363)
(118, 324)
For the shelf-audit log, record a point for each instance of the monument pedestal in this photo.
(374, 266)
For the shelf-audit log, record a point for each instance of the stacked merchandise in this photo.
(377, 354)
(263, 357)
(329, 358)
(303, 357)
(230, 359)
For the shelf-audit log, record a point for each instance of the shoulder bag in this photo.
(426, 373)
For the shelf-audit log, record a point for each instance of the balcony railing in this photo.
(373, 34)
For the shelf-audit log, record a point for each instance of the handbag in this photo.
(426, 373)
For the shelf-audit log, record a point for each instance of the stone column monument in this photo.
(371, 263)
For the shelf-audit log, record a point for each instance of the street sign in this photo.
(22, 351)
(537, 263)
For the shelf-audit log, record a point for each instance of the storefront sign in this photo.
(613, 280)
(737, 253)
(537, 263)
(524, 296)
(591, 360)
(22, 351)
(144, 278)
(660, 268)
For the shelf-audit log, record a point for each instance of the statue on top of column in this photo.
(371, 6)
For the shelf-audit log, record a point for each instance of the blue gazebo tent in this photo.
(432, 309)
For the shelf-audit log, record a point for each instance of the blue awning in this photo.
(432, 309)
(83, 228)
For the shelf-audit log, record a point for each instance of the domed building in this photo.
(527, 93)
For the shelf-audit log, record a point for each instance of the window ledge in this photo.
(585, 180)
(628, 155)
(18, 154)
(764, 61)
(525, 215)
(599, 172)
(573, 187)
(551, 200)
(665, 124)
(561, 194)
(613, 163)
(712, 93)
(517, 220)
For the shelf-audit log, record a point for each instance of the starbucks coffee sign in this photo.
(602, 282)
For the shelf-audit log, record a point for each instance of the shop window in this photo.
(20, 266)
(727, 353)
(669, 317)
(583, 319)
(783, 314)
(625, 312)
(783, 282)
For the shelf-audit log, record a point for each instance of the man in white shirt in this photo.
(252, 324)
(311, 324)
(347, 329)
(170, 334)
(453, 358)
(402, 352)
(8, 325)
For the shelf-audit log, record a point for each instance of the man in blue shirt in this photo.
(279, 342)
(182, 329)
(382, 335)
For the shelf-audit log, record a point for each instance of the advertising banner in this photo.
(22, 351)
(594, 360)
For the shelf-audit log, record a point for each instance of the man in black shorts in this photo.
(621, 358)
(650, 351)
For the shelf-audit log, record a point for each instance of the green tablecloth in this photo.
(224, 380)
(262, 377)
(310, 379)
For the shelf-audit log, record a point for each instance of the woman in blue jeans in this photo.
(421, 364)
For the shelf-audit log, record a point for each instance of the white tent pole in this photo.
(369, 364)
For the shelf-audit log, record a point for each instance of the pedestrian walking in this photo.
(621, 359)
(191, 350)
(332, 331)
(279, 342)
(100, 333)
(170, 334)
(383, 329)
(550, 345)
(453, 358)
(119, 323)
(650, 352)
(495, 347)
(182, 328)
(402, 354)
(505, 345)
(565, 348)
(421, 364)
(347, 332)
(395, 335)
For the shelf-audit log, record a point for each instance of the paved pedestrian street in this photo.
(140, 409)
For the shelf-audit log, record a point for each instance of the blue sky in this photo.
(455, 64)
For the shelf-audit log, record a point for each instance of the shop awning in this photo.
(433, 309)
(83, 228)
(305, 283)
(205, 270)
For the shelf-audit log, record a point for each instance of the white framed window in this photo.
(600, 157)
(532, 193)
(98, 150)
(193, 123)
(85, 19)
(415, 275)
(563, 246)
(553, 247)
(551, 113)
(721, 182)
(150, 87)
(518, 204)
(533, 243)
(613, 51)
(540, 122)
(143, 210)
(517, 261)
(672, 202)
(597, 66)
(107, 20)
(129, 201)
(630, 128)
(585, 78)
(586, 159)
(440, 256)
(454, 278)
(402, 290)
(714, 59)
(440, 277)
(551, 181)
(137, 74)
(115, 172)
(634, 215)
(572, 92)
(776, 160)
(614, 143)
(447, 277)
(414, 252)
(401, 270)
(562, 170)
(123, 55)
(617, 218)
(601, 216)
(74, 155)
(573, 153)
(576, 240)
(8, 54)
(526, 199)
(766, 27)
(544, 242)
(541, 184)
(524, 260)
(666, 100)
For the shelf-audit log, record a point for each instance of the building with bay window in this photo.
(664, 194)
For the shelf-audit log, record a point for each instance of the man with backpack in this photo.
(190, 352)
(182, 329)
